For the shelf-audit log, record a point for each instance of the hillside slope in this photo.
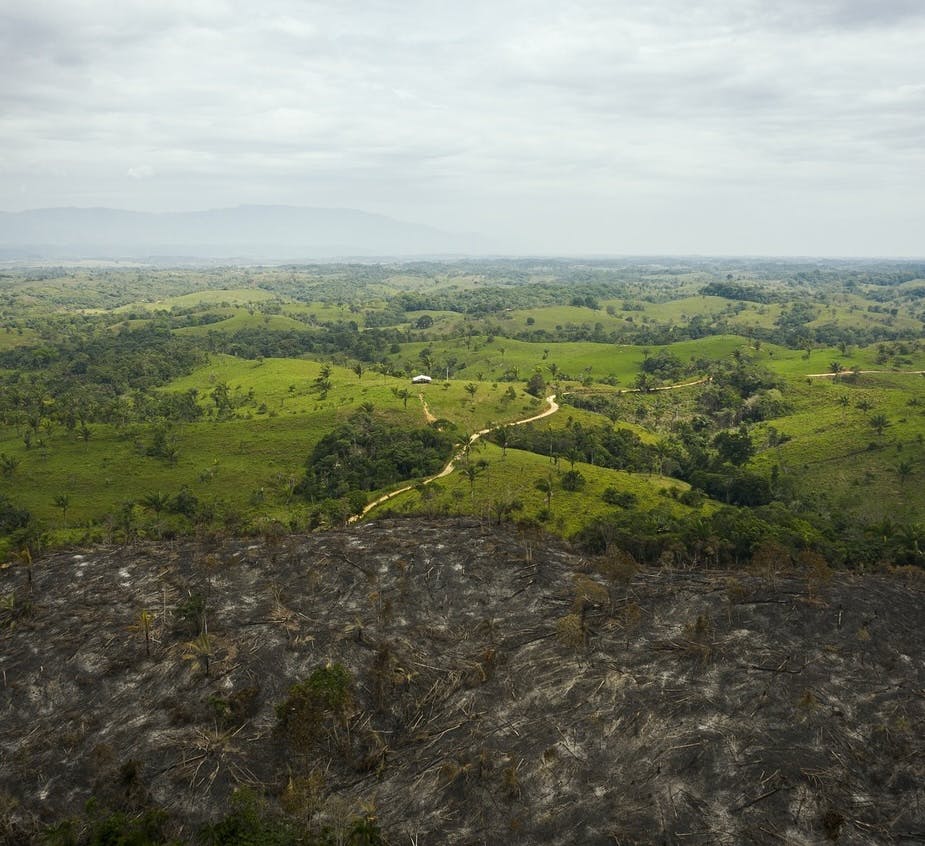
(498, 689)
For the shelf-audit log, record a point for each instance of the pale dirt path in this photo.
(451, 464)
(427, 414)
(702, 381)
(844, 373)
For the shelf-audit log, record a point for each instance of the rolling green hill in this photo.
(155, 402)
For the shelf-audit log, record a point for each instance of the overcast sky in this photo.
(774, 127)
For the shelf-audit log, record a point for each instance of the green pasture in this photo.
(789, 362)
(490, 405)
(328, 312)
(835, 451)
(484, 360)
(513, 478)
(735, 312)
(207, 297)
(444, 321)
(243, 319)
(857, 312)
(227, 462)
(10, 337)
(286, 386)
(557, 318)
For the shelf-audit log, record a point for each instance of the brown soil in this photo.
(503, 691)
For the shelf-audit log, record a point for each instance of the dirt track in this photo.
(451, 464)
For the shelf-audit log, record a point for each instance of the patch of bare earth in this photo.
(503, 691)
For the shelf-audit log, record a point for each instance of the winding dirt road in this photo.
(846, 373)
(552, 408)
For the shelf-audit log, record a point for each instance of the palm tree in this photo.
(200, 650)
(844, 402)
(545, 485)
(836, 367)
(904, 469)
(62, 501)
(882, 531)
(911, 539)
(145, 621)
(472, 472)
(504, 439)
(879, 422)
(156, 501)
(25, 557)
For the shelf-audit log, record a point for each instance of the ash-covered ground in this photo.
(501, 689)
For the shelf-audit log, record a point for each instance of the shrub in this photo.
(572, 481)
(326, 694)
(621, 499)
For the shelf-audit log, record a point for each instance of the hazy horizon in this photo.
(721, 129)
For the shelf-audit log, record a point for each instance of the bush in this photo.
(621, 499)
(326, 694)
(572, 481)
(536, 386)
(366, 454)
(692, 498)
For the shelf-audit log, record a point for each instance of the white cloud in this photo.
(140, 172)
(551, 125)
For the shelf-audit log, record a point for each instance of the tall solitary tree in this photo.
(844, 402)
(63, 501)
(504, 439)
(879, 422)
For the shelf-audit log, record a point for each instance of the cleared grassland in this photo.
(21, 337)
(330, 312)
(492, 360)
(552, 318)
(228, 463)
(513, 478)
(213, 297)
(835, 450)
(243, 319)
(286, 386)
(735, 312)
(788, 362)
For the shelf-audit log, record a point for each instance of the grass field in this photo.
(215, 297)
(835, 452)
(513, 478)
(20, 337)
(227, 463)
(243, 460)
(491, 361)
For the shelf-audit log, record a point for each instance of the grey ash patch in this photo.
(681, 708)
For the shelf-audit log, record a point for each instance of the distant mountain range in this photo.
(244, 232)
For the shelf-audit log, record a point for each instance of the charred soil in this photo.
(462, 684)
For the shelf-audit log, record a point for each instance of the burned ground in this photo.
(463, 684)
